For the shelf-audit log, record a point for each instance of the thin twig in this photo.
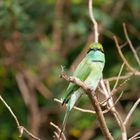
(122, 56)
(131, 111)
(123, 77)
(56, 135)
(21, 128)
(58, 129)
(110, 103)
(130, 44)
(96, 33)
(114, 111)
(118, 98)
(135, 136)
(122, 126)
(113, 92)
(29, 133)
(78, 108)
(117, 80)
(106, 93)
(123, 45)
(83, 110)
(110, 108)
(10, 110)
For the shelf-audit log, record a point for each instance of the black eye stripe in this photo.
(95, 49)
(98, 61)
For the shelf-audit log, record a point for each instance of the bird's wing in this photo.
(82, 71)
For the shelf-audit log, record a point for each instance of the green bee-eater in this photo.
(89, 71)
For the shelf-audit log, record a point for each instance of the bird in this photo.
(89, 71)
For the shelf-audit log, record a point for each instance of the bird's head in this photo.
(96, 46)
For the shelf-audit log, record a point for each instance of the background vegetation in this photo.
(36, 38)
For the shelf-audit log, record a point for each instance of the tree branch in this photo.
(130, 44)
(78, 108)
(21, 128)
(114, 111)
(131, 111)
(58, 129)
(96, 33)
(135, 136)
(122, 56)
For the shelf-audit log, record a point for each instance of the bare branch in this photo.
(118, 77)
(123, 77)
(106, 93)
(29, 133)
(122, 126)
(96, 33)
(122, 56)
(131, 111)
(78, 108)
(56, 135)
(114, 111)
(21, 128)
(114, 91)
(10, 110)
(119, 98)
(135, 136)
(58, 129)
(83, 110)
(130, 44)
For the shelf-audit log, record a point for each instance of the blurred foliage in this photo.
(41, 35)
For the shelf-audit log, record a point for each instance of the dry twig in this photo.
(78, 108)
(136, 136)
(21, 128)
(111, 105)
(123, 77)
(59, 130)
(131, 111)
(122, 56)
(117, 80)
(130, 44)
(96, 33)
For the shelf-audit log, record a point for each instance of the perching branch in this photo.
(78, 108)
(96, 33)
(21, 128)
(84, 110)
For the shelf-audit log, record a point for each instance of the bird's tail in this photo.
(74, 97)
(65, 120)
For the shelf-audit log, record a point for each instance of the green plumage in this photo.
(89, 71)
